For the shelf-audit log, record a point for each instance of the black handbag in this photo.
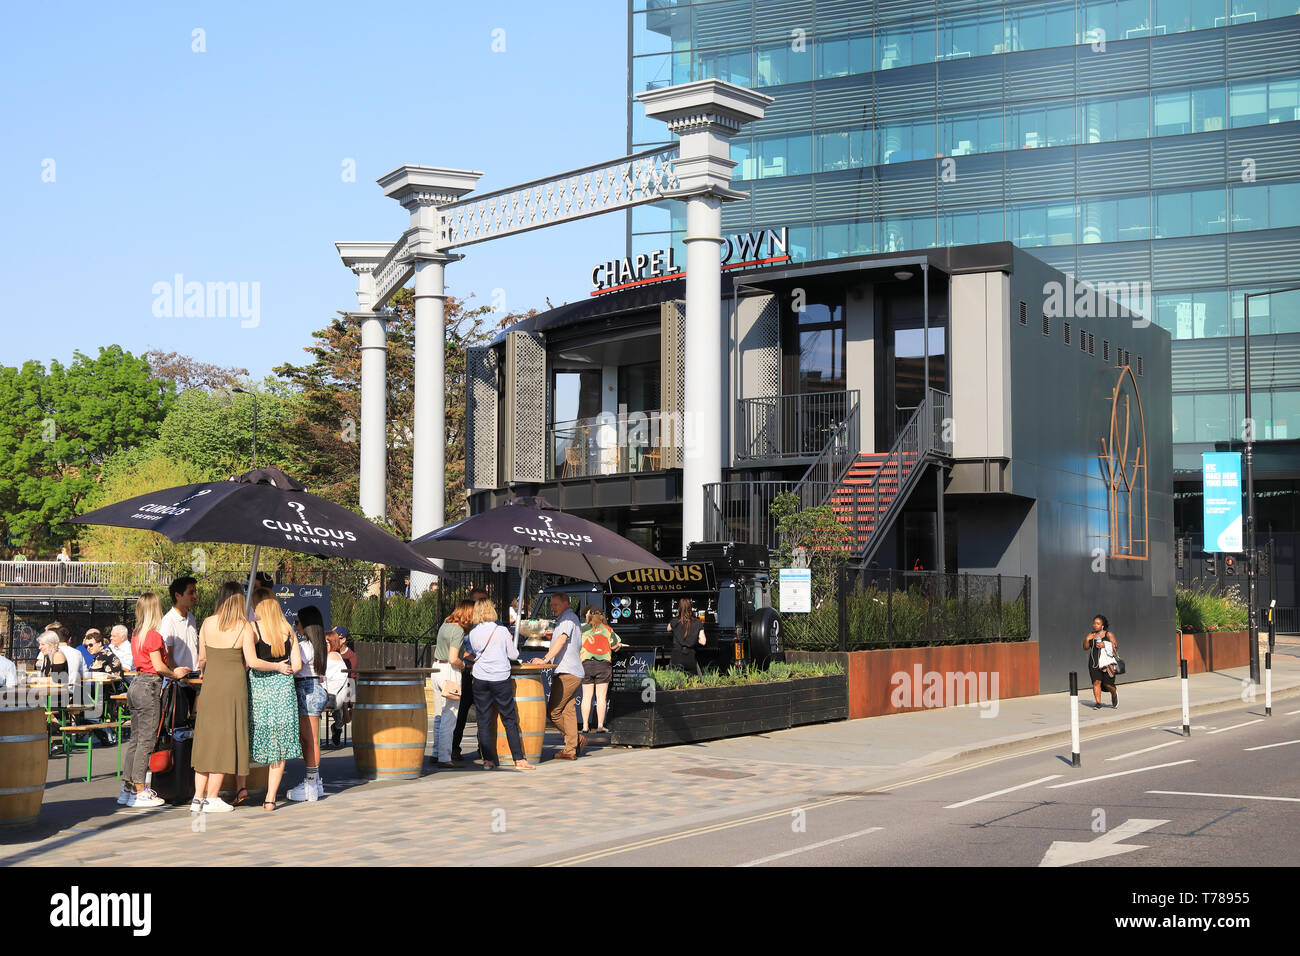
(1119, 666)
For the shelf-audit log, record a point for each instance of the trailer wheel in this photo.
(764, 636)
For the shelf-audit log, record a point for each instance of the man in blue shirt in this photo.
(566, 653)
(86, 653)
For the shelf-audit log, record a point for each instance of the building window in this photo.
(844, 55)
(1041, 124)
(730, 65)
(1116, 218)
(1107, 119)
(779, 63)
(1033, 26)
(1265, 205)
(776, 156)
(905, 44)
(962, 134)
(965, 37)
(902, 142)
(842, 149)
(1191, 212)
(817, 345)
(1197, 110)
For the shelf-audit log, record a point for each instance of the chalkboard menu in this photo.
(294, 597)
(631, 670)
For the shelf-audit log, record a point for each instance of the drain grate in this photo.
(715, 774)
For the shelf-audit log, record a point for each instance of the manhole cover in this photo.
(715, 774)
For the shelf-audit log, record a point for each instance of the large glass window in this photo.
(963, 227)
(1284, 98)
(742, 152)
(820, 328)
(1249, 103)
(1193, 315)
(961, 134)
(1261, 410)
(1037, 125)
(1268, 314)
(783, 155)
(1116, 218)
(1184, 415)
(1188, 111)
(900, 233)
(905, 140)
(978, 35)
(778, 63)
(1190, 212)
(1106, 119)
(1212, 418)
(730, 65)
(1179, 16)
(1265, 205)
(837, 239)
(842, 149)
(1041, 224)
(844, 55)
(1032, 26)
(905, 44)
(1286, 414)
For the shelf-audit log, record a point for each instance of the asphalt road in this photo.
(1227, 796)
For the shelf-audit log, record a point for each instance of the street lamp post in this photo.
(240, 391)
(1249, 437)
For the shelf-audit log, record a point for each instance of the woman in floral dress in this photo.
(273, 658)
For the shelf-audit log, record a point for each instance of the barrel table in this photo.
(530, 703)
(390, 723)
(23, 757)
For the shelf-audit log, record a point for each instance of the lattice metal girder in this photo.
(394, 270)
(606, 187)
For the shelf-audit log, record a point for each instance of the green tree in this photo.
(213, 430)
(61, 426)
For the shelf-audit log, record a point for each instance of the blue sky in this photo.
(227, 165)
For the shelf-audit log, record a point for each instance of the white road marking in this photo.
(1144, 750)
(1258, 720)
(990, 796)
(1065, 852)
(1231, 796)
(1179, 727)
(1285, 743)
(1291, 713)
(805, 849)
(1121, 773)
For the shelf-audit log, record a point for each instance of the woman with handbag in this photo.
(338, 687)
(447, 691)
(152, 664)
(494, 648)
(272, 658)
(1103, 660)
(688, 634)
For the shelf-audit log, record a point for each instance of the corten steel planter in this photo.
(1215, 650)
(710, 713)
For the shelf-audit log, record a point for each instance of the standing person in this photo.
(599, 642)
(1103, 654)
(221, 740)
(149, 655)
(688, 634)
(272, 656)
(514, 612)
(8, 670)
(447, 681)
(566, 680)
(338, 687)
(494, 692)
(119, 639)
(178, 628)
(466, 659)
(311, 701)
(63, 557)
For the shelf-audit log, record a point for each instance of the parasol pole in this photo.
(252, 576)
(523, 579)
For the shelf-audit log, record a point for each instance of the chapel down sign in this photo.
(704, 115)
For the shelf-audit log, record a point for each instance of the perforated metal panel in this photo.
(672, 366)
(481, 364)
(525, 418)
(767, 336)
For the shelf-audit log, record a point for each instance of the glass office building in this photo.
(1151, 142)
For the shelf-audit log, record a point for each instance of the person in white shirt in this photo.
(119, 642)
(178, 629)
(8, 672)
(494, 648)
(566, 648)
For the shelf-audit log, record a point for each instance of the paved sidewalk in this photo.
(468, 816)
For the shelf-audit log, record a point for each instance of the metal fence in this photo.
(793, 426)
(108, 575)
(742, 510)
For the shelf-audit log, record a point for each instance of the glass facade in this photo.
(1152, 142)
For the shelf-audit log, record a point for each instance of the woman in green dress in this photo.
(273, 658)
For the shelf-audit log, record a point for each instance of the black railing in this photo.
(793, 426)
(887, 608)
(742, 510)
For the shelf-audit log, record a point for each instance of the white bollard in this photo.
(1268, 684)
(1074, 720)
(1187, 716)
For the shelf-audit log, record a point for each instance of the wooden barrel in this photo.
(23, 758)
(530, 702)
(390, 724)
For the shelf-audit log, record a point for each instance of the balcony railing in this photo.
(91, 574)
(794, 426)
(742, 510)
(614, 444)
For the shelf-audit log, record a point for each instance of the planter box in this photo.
(1215, 650)
(873, 676)
(710, 713)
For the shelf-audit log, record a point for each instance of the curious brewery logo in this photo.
(549, 535)
(157, 512)
(304, 532)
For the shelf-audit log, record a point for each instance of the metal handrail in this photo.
(801, 425)
(834, 461)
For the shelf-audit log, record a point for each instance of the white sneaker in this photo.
(196, 805)
(315, 792)
(216, 805)
(124, 796)
(320, 786)
(299, 793)
(143, 800)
